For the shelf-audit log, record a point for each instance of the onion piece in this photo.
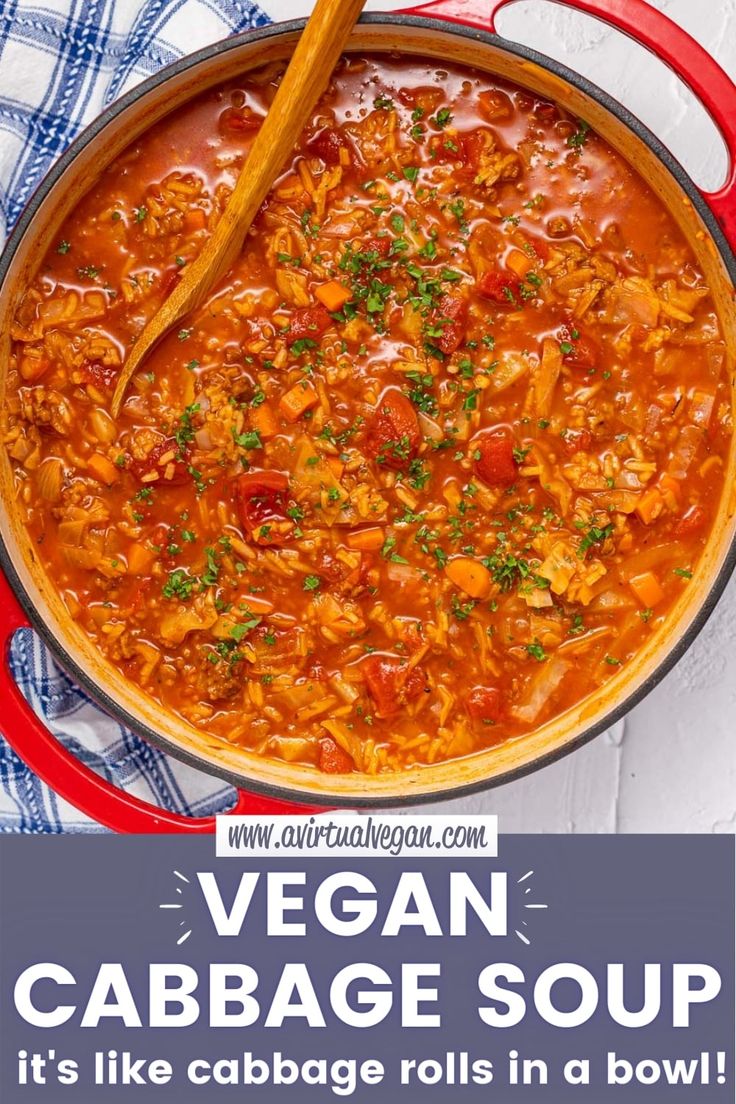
(430, 427)
(685, 451)
(543, 685)
(346, 690)
(402, 573)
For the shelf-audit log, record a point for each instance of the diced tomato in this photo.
(539, 245)
(239, 120)
(308, 322)
(692, 522)
(584, 353)
(495, 463)
(577, 440)
(427, 96)
(261, 498)
(393, 434)
(484, 703)
(453, 312)
(137, 594)
(332, 759)
(476, 143)
(327, 144)
(194, 219)
(546, 112)
(330, 568)
(382, 246)
(495, 104)
(101, 375)
(174, 473)
(391, 682)
(448, 148)
(501, 287)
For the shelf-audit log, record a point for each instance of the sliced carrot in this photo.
(263, 419)
(366, 540)
(336, 466)
(140, 559)
(470, 576)
(519, 263)
(194, 219)
(650, 505)
(297, 400)
(333, 295)
(103, 469)
(647, 589)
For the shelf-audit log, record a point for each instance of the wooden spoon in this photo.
(303, 83)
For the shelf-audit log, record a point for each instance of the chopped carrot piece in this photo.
(519, 263)
(336, 466)
(647, 589)
(141, 559)
(333, 295)
(366, 540)
(194, 219)
(103, 469)
(671, 489)
(650, 505)
(263, 419)
(469, 575)
(297, 400)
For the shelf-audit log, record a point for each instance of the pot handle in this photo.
(660, 34)
(77, 783)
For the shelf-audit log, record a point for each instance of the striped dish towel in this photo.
(61, 63)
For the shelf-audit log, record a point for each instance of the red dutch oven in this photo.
(462, 31)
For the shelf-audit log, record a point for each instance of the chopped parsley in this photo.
(303, 345)
(184, 433)
(595, 535)
(179, 585)
(577, 140)
(251, 439)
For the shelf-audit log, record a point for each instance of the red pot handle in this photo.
(75, 782)
(670, 43)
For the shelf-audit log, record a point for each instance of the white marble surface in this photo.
(671, 765)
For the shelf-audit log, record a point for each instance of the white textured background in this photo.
(671, 765)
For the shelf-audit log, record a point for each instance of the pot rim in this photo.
(671, 654)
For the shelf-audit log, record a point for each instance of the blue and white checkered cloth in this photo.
(61, 63)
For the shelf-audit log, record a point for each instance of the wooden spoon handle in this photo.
(306, 78)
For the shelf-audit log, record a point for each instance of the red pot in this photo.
(463, 29)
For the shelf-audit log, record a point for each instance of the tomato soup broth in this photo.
(430, 465)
